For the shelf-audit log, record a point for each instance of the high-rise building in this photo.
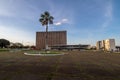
(98, 45)
(108, 45)
(54, 38)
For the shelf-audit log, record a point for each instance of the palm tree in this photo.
(45, 20)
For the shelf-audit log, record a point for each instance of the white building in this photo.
(100, 45)
(108, 45)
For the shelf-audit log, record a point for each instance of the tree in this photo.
(45, 20)
(4, 43)
(16, 45)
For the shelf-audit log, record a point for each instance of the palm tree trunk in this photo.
(46, 40)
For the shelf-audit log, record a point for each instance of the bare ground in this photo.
(76, 65)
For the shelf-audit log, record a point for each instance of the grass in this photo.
(3, 50)
(76, 65)
(50, 52)
(43, 52)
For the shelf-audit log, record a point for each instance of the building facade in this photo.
(70, 47)
(99, 45)
(54, 38)
(108, 45)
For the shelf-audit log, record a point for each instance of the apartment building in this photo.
(108, 45)
(54, 38)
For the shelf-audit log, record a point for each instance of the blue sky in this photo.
(86, 21)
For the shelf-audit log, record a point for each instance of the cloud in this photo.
(63, 21)
(18, 8)
(16, 35)
(108, 15)
(109, 10)
(57, 23)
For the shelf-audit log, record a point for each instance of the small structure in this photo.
(118, 48)
(70, 47)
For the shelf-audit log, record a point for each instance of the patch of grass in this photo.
(4, 50)
(50, 52)
(33, 52)
(43, 52)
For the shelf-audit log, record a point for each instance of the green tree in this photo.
(45, 20)
(4, 43)
(16, 45)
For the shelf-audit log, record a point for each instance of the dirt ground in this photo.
(76, 65)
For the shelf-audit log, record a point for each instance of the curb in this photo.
(44, 54)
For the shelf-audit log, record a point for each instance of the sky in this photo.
(86, 21)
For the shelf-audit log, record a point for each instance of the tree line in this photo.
(7, 44)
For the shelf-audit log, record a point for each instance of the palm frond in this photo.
(46, 18)
(46, 13)
(50, 22)
(41, 20)
(51, 17)
(42, 16)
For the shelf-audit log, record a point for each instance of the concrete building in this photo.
(99, 45)
(54, 38)
(71, 47)
(108, 45)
